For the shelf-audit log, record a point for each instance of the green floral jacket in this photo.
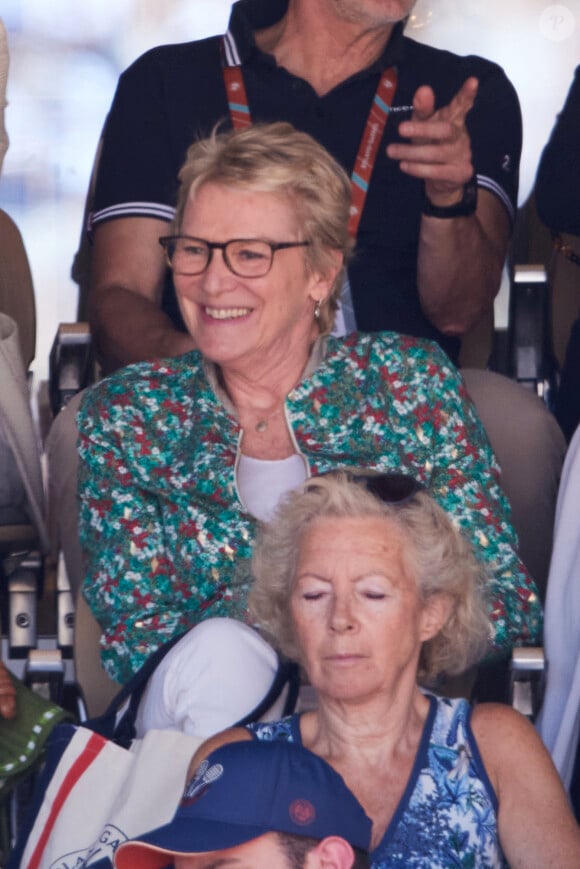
(166, 536)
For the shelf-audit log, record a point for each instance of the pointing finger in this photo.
(463, 101)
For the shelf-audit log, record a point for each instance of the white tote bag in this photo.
(100, 794)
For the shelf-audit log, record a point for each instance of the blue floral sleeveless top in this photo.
(447, 816)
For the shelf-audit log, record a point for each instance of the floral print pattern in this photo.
(166, 537)
(447, 816)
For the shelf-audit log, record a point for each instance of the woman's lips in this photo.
(344, 659)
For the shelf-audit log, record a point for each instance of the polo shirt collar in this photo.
(248, 16)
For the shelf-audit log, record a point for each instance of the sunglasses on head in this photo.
(390, 488)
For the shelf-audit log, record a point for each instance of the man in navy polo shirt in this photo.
(432, 238)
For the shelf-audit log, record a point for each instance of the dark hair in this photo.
(297, 848)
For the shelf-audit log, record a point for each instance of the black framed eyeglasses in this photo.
(389, 487)
(245, 257)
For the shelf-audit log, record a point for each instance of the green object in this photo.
(22, 741)
(23, 737)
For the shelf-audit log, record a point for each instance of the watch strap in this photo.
(464, 208)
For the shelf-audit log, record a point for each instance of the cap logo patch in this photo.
(204, 776)
(302, 812)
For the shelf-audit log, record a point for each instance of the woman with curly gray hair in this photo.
(368, 583)
(437, 555)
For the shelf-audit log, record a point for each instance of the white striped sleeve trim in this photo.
(491, 185)
(231, 50)
(133, 209)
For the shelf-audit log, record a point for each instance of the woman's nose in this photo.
(341, 615)
(217, 275)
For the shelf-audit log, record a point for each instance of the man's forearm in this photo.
(459, 268)
(127, 327)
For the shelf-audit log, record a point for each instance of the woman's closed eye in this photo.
(313, 594)
(312, 588)
(374, 594)
(374, 587)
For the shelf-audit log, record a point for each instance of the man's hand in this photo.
(440, 149)
(7, 694)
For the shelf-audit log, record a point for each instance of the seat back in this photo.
(17, 343)
(16, 287)
(477, 344)
(97, 687)
(23, 533)
(21, 463)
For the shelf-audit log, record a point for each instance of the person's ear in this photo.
(322, 282)
(331, 853)
(435, 614)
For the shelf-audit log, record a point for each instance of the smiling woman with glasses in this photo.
(182, 458)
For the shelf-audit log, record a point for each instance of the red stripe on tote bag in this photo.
(89, 753)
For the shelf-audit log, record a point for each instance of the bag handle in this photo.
(122, 730)
(288, 674)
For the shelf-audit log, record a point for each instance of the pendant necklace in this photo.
(262, 424)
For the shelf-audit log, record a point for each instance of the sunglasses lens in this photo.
(391, 488)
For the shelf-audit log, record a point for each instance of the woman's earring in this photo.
(317, 309)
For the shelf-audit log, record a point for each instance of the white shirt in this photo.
(263, 482)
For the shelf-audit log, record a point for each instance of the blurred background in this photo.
(66, 56)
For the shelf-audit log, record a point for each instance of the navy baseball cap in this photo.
(245, 789)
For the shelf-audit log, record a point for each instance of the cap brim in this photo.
(136, 855)
(182, 836)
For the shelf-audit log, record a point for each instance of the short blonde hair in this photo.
(276, 158)
(438, 556)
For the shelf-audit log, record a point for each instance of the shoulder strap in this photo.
(288, 674)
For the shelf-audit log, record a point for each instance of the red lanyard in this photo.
(237, 97)
(368, 148)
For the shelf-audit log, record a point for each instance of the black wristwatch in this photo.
(464, 208)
